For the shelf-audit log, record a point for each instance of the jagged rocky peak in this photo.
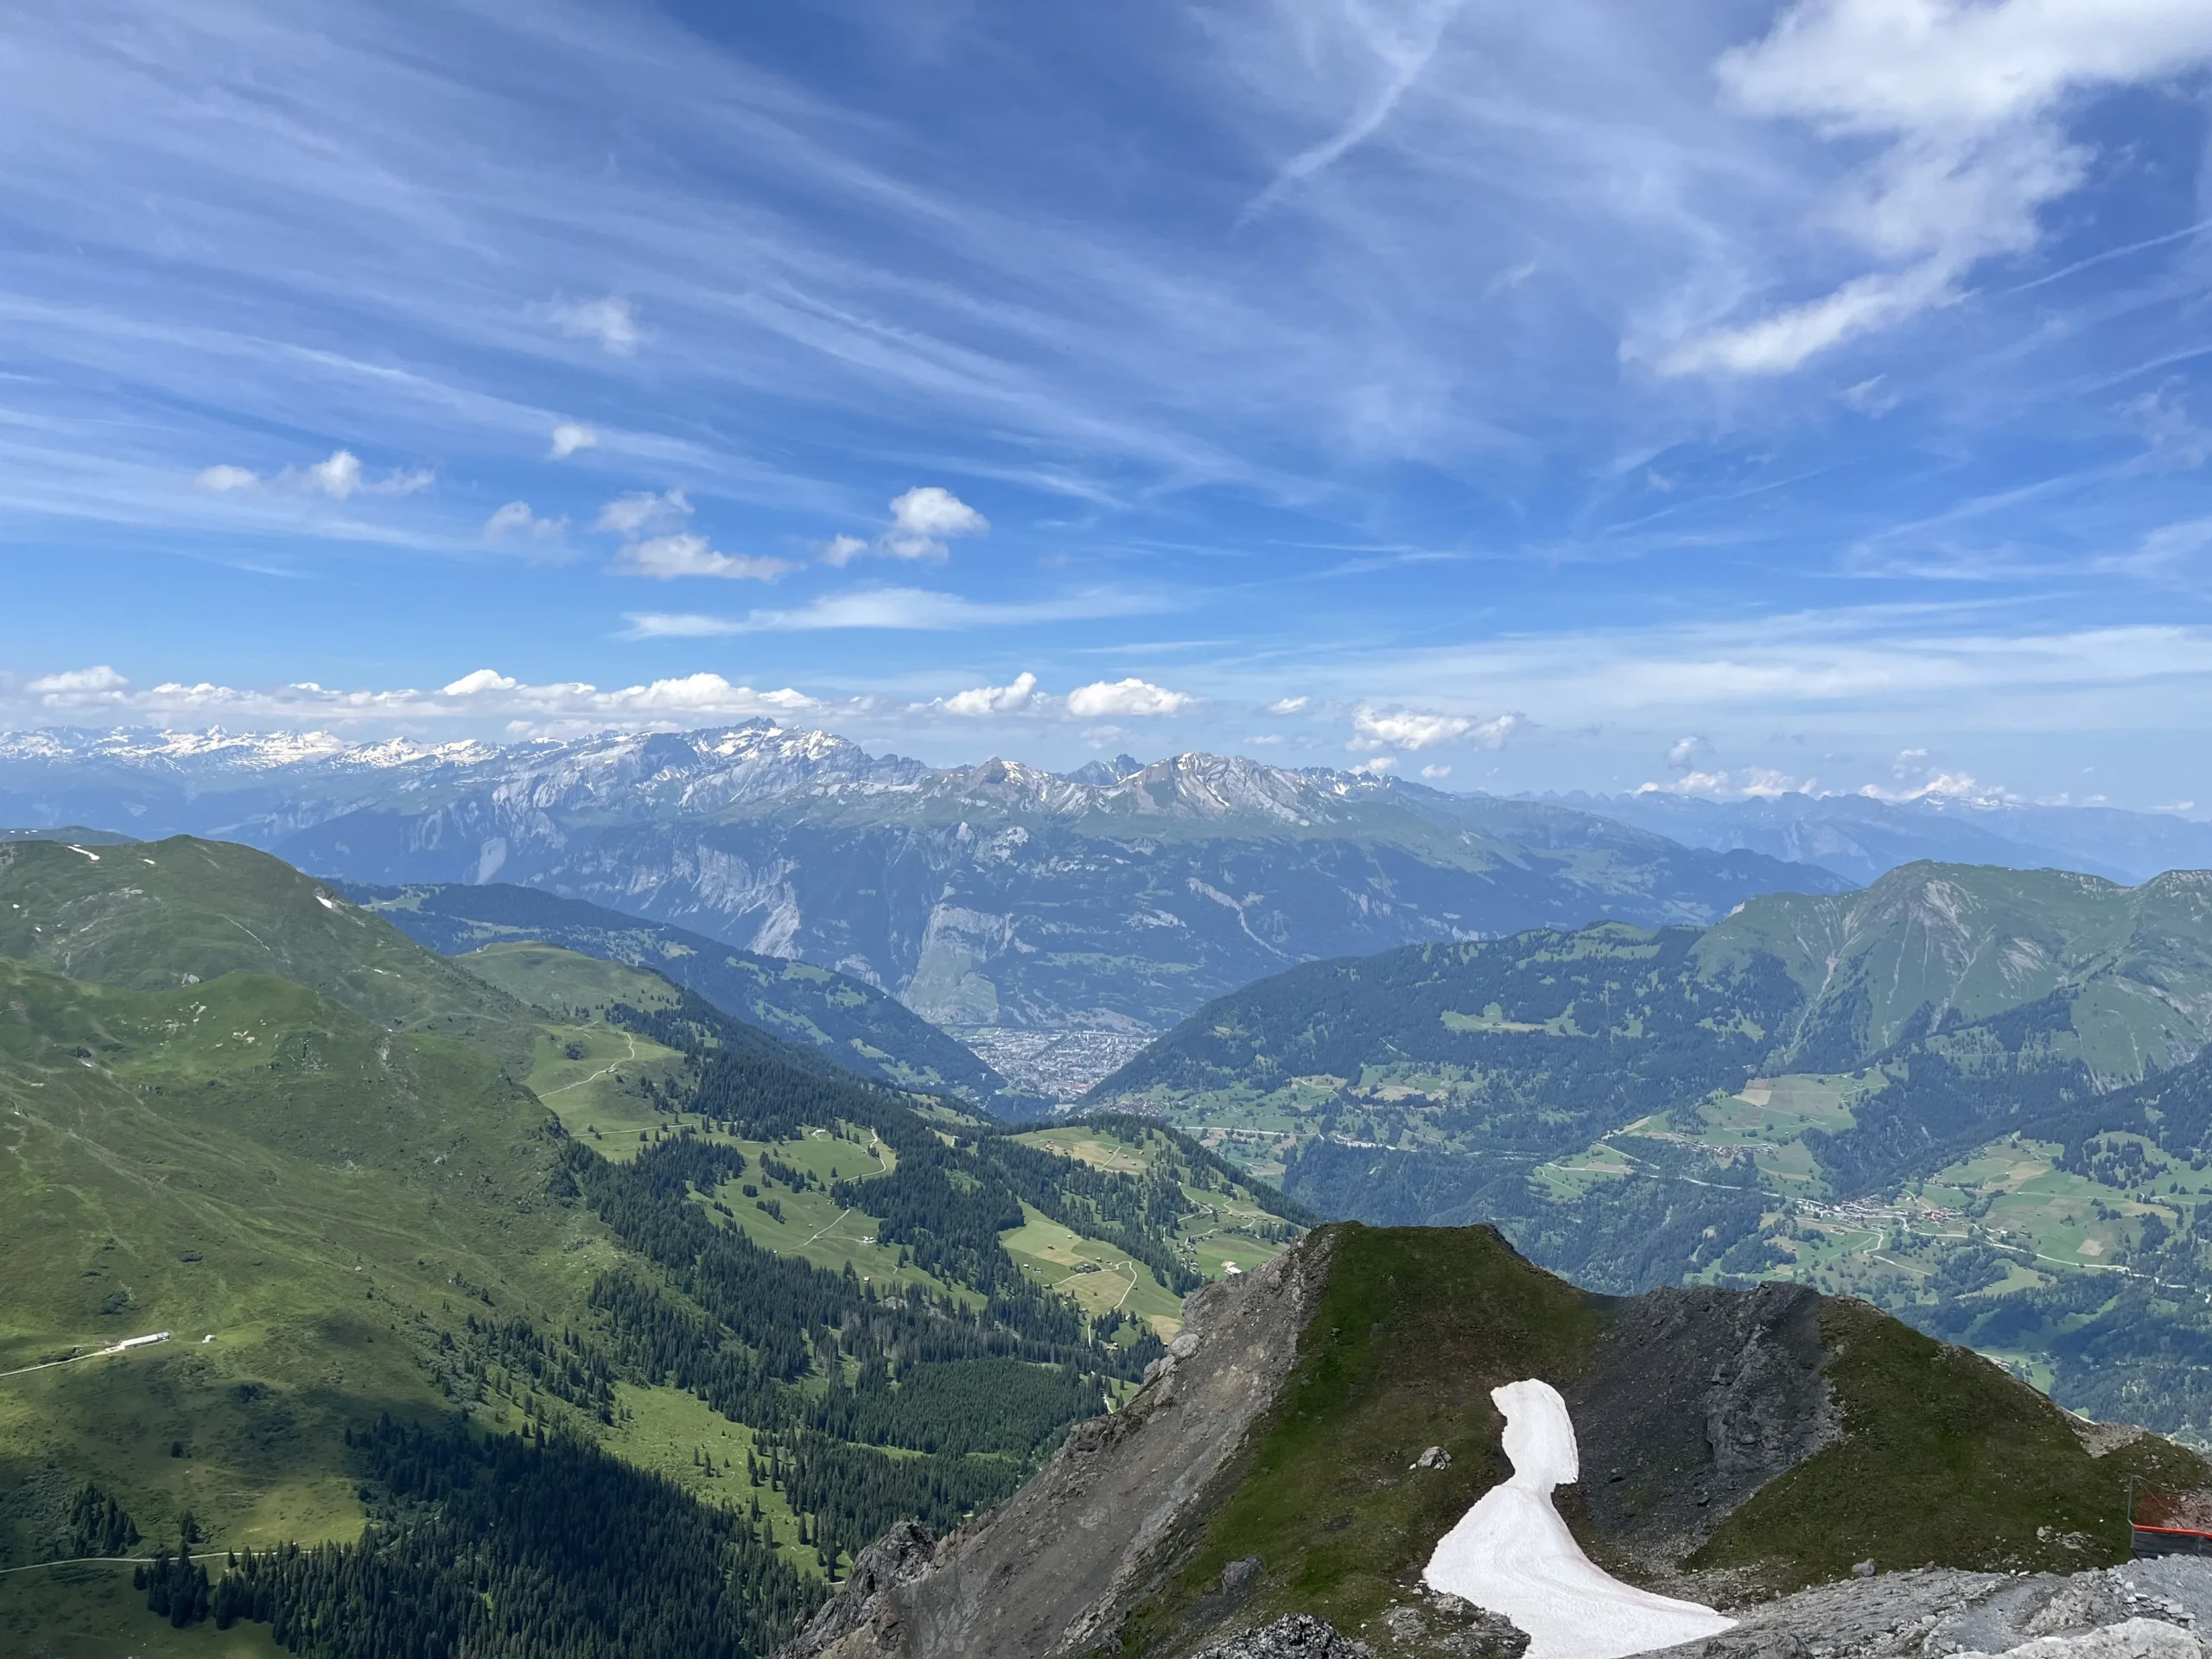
(1102, 772)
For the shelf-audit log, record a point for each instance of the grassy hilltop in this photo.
(1937, 1455)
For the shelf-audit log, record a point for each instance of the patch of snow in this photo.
(73, 848)
(1512, 1553)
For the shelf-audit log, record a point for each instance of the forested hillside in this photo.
(516, 1288)
(1971, 1095)
(864, 1029)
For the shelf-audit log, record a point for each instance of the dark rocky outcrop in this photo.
(1695, 1400)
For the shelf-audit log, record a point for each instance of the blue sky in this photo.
(1525, 396)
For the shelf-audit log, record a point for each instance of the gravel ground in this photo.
(1936, 1612)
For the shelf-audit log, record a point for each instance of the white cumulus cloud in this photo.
(1405, 729)
(571, 436)
(482, 680)
(1684, 753)
(339, 476)
(1410, 729)
(484, 693)
(1288, 706)
(611, 322)
(993, 699)
(78, 687)
(923, 521)
(1129, 696)
(342, 476)
(1751, 783)
(1963, 101)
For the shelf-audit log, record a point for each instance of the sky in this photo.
(1533, 395)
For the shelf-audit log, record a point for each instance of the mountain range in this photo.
(868, 1032)
(983, 896)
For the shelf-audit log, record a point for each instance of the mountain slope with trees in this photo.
(507, 1329)
(1939, 1092)
(865, 1030)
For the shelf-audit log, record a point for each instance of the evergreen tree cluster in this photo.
(512, 1548)
(98, 1525)
(175, 1586)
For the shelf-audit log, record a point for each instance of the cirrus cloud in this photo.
(686, 554)
(1965, 101)
(915, 609)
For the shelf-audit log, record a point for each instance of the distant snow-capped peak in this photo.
(216, 749)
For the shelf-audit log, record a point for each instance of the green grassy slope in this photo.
(389, 1184)
(1941, 1456)
(245, 1160)
(565, 982)
(154, 915)
(1930, 945)
(76, 833)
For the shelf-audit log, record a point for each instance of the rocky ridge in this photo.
(1317, 1426)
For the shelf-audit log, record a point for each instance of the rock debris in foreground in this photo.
(2146, 1610)
(1304, 1637)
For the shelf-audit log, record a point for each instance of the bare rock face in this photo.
(899, 1557)
(1698, 1398)
(1054, 1570)
(1446, 1627)
(1304, 1637)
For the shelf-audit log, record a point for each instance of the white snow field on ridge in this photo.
(1512, 1553)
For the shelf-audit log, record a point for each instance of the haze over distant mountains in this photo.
(993, 895)
(1860, 837)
